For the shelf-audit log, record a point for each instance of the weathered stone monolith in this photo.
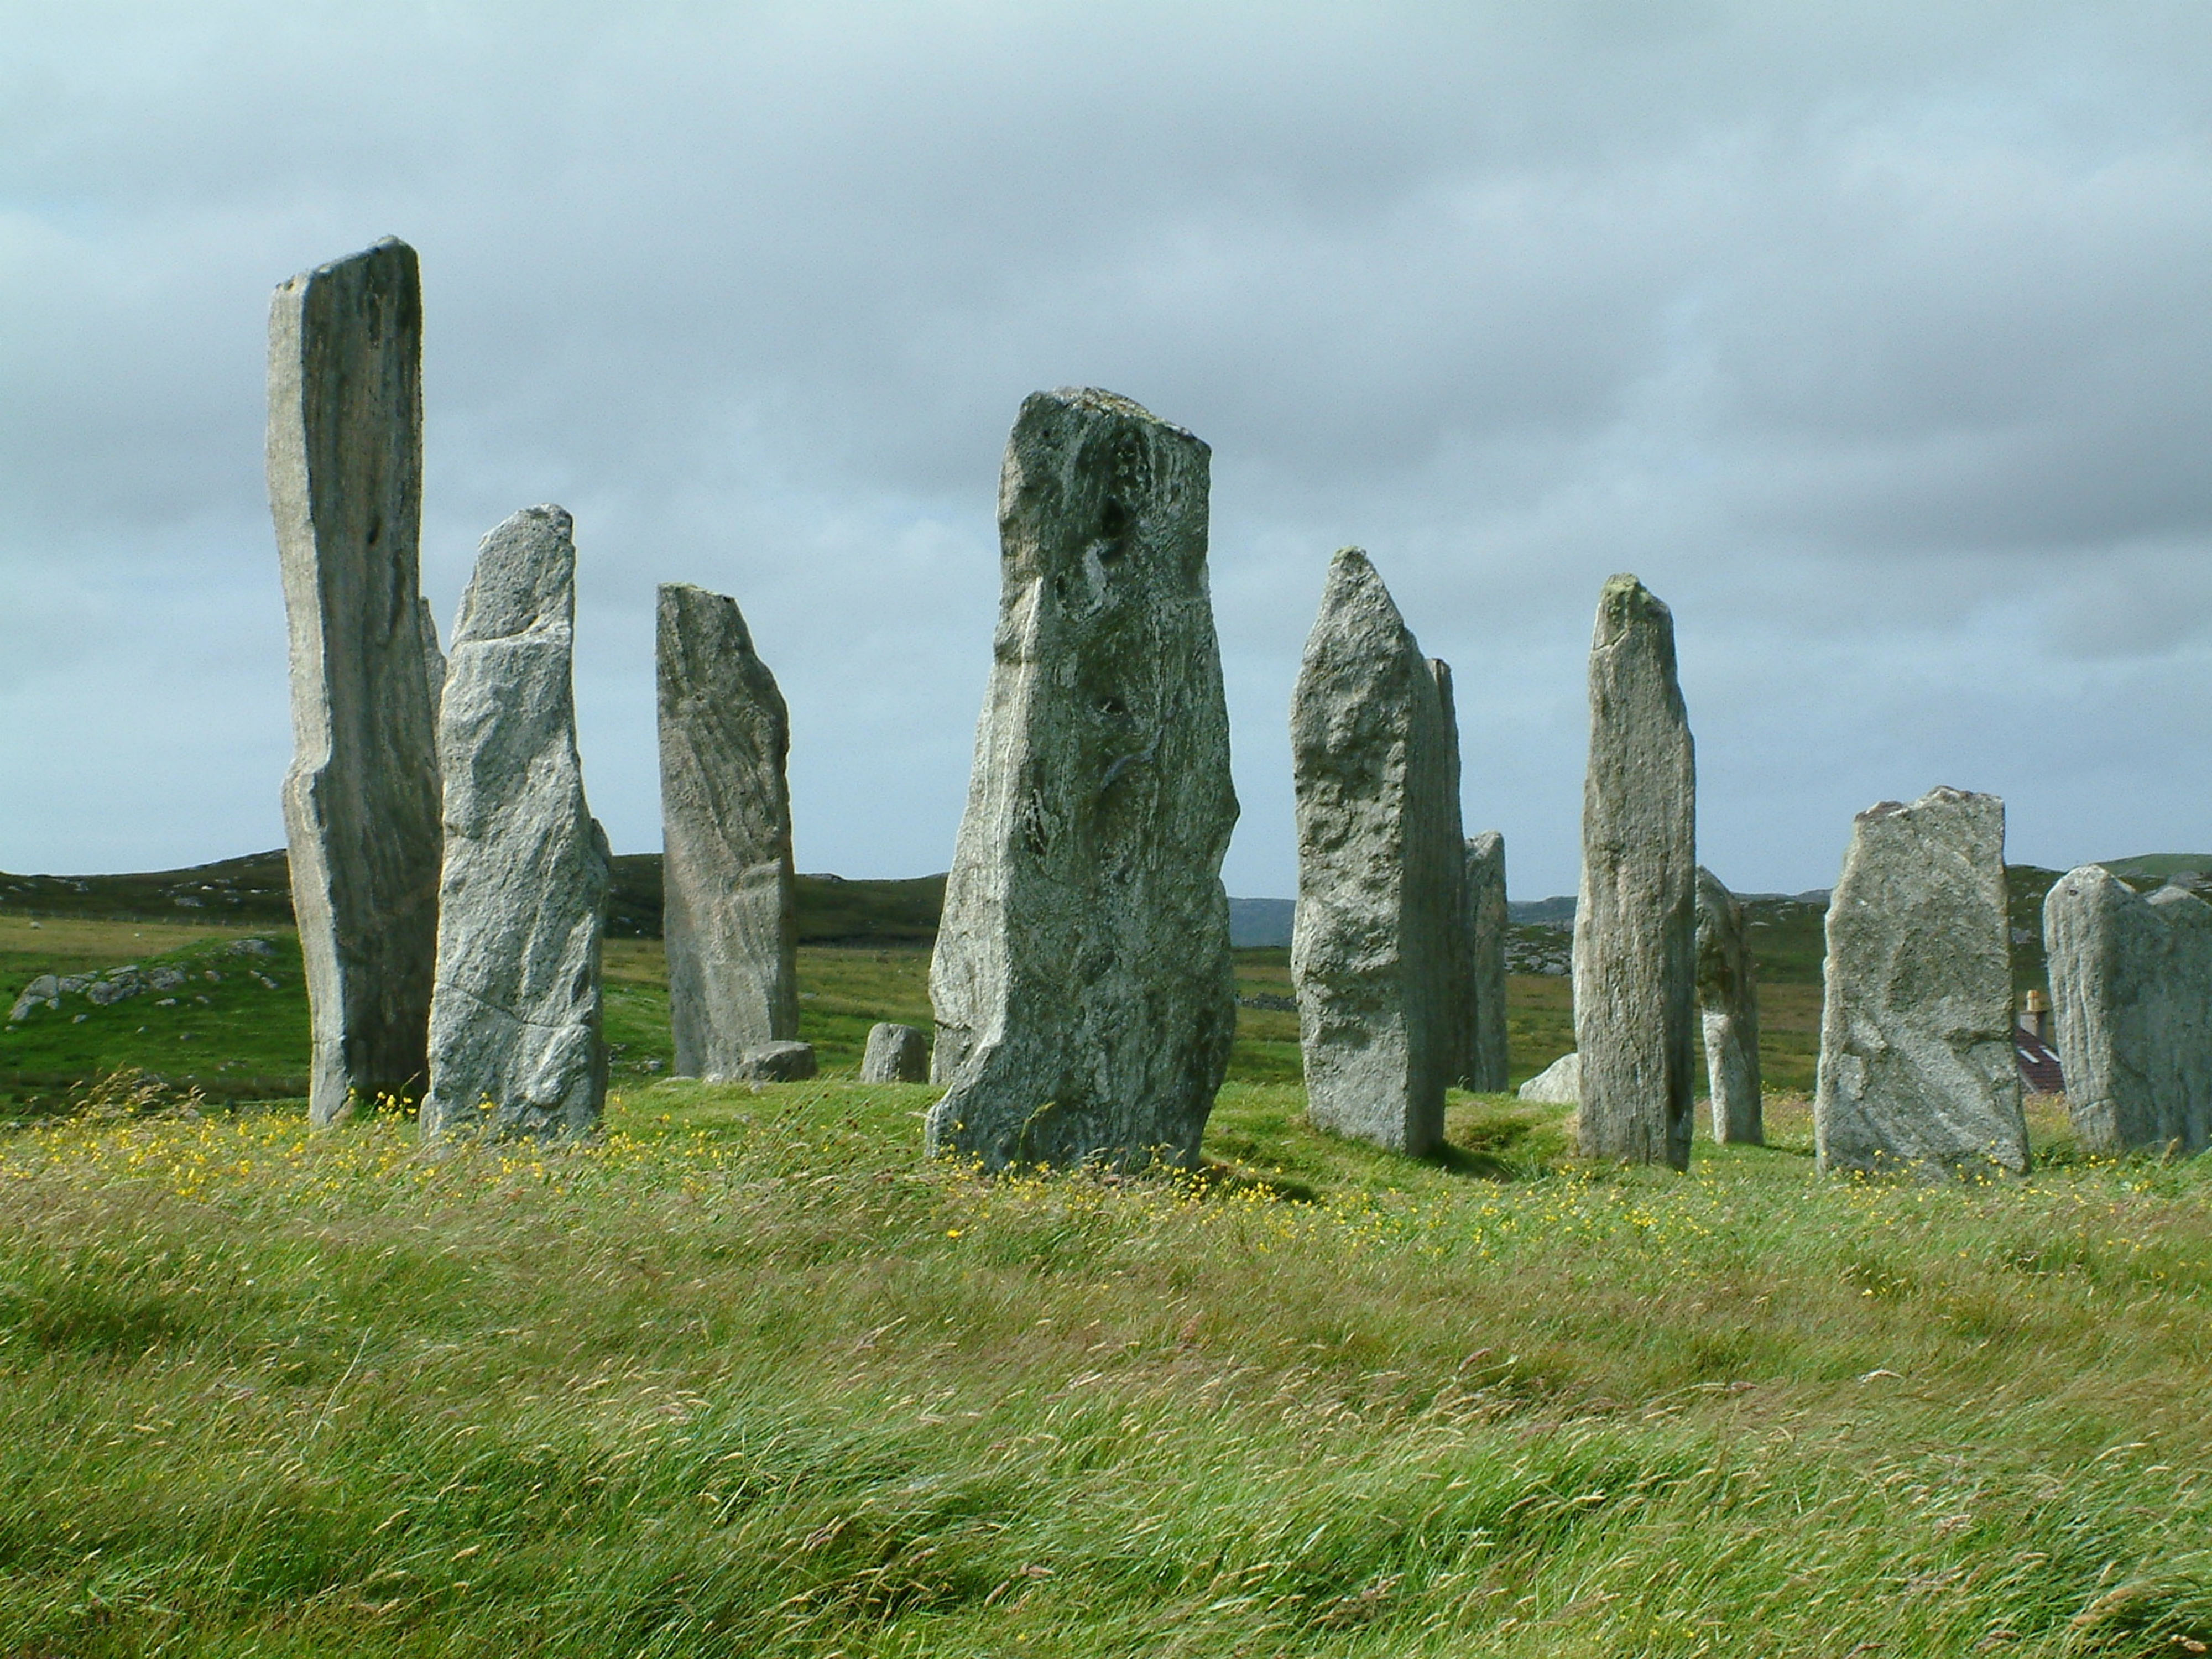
(1728, 998)
(514, 1024)
(1636, 920)
(1917, 1073)
(360, 800)
(1084, 992)
(729, 910)
(1488, 919)
(1375, 947)
(2131, 994)
(1458, 989)
(895, 1054)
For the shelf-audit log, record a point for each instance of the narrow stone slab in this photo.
(514, 1024)
(1084, 992)
(1487, 921)
(1559, 1084)
(730, 910)
(1636, 921)
(1376, 952)
(1917, 1069)
(2131, 994)
(1458, 987)
(1728, 998)
(361, 798)
(895, 1054)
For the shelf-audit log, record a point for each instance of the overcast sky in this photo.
(1877, 338)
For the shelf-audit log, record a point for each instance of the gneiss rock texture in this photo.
(1376, 949)
(2131, 992)
(1917, 1068)
(895, 1054)
(729, 915)
(1728, 997)
(360, 800)
(1084, 992)
(1636, 922)
(1487, 920)
(514, 1025)
(1459, 942)
(1559, 1083)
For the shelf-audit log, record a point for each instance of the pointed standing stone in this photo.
(1084, 993)
(514, 1025)
(1918, 1073)
(1728, 997)
(2131, 995)
(1487, 920)
(1636, 922)
(730, 920)
(1380, 871)
(360, 800)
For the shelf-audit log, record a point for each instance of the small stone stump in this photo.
(776, 1063)
(895, 1054)
(1082, 985)
(1636, 922)
(1728, 998)
(514, 1021)
(2132, 990)
(1917, 1075)
(1559, 1084)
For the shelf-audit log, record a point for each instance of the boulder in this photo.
(1381, 940)
(895, 1053)
(514, 1025)
(729, 909)
(2131, 996)
(1487, 923)
(1083, 989)
(362, 798)
(1559, 1084)
(776, 1063)
(1728, 998)
(1917, 1071)
(1636, 922)
(44, 991)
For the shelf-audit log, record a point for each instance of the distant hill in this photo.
(2161, 866)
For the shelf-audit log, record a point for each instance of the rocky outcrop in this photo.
(729, 907)
(895, 1054)
(360, 800)
(1084, 993)
(1917, 1069)
(2131, 995)
(1636, 924)
(1728, 999)
(515, 1025)
(1488, 925)
(1376, 952)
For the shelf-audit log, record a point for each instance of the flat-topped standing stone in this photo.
(895, 1053)
(1084, 992)
(729, 910)
(1918, 1074)
(1728, 997)
(1636, 920)
(514, 1025)
(1380, 871)
(2131, 992)
(1486, 908)
(360, 800)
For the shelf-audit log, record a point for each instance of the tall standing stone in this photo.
(1458, 989)
(1084, 988)
(1487, 921)
(514, 1025)
(1916, 1068)
(1636, 921)
(730, 920)
(1728, 998)
(360, 800)
(2131, 992)
(1374, 954)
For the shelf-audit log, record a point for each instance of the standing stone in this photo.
(1458, 989)
(1636, 920)
(360, 800)
(730, 920)
(1917, 1068)
(2131, 986)
(1375, 947)
(895, 1053)
(1728, 996)
(434, 662)
(514, 1025)
(1488, 919)
(1084, 992)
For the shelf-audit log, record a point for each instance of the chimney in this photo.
(2035, 1015)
